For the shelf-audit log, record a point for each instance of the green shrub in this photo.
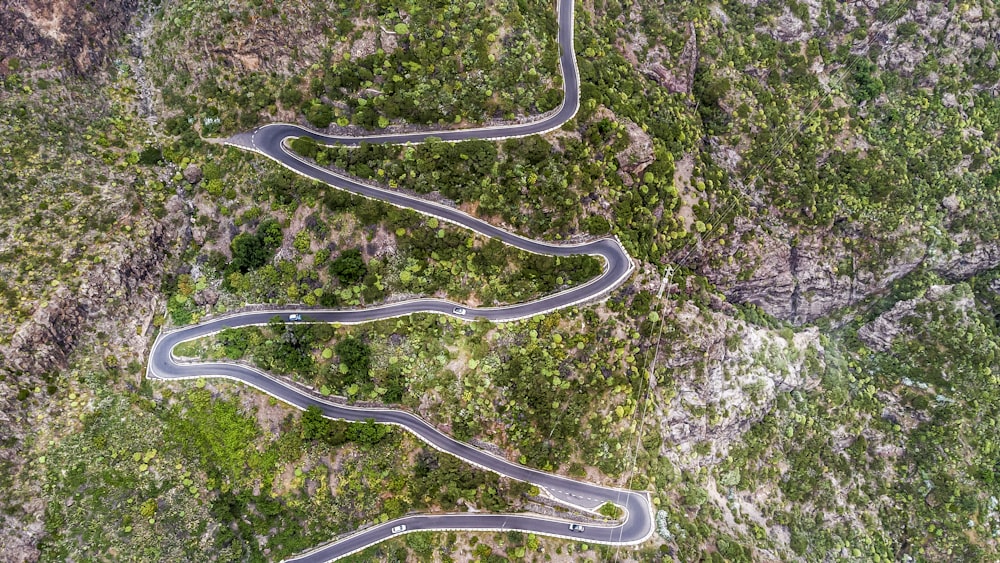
(355, 355)
(150, 156)
(318, 114)
(251, 251)
(349, 267)
(610, 510)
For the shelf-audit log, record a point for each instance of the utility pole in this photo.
(667, 276)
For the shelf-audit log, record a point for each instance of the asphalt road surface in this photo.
(266, 135)
(270, 140)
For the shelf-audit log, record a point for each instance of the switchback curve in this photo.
(270, 140)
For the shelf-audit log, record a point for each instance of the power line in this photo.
(649, 383)
(785, 141)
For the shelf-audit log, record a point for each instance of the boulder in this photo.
(192, 174)
(637, 155)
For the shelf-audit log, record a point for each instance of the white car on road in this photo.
(576, 528)
(459, 310)
(295, 317)
(398, 529)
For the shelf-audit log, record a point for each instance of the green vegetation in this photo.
(709, 133)
(441, 73)
(300, 242)
(251, 251)
(570, 385)
(610, 510)
(316, 427)
(381, 63)
(349, 267)
(152, 474)
(355, 357)
(531, 184)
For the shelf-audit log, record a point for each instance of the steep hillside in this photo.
(80, 35)
(226, 66)
(802, 367)
(844, 144)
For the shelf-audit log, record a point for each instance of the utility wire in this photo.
(785, 141)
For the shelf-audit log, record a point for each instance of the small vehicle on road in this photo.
(295, 317)
(459, 310)
(398, 529)
(576, 528)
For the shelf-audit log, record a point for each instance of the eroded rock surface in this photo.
(880, 333)
(802, 277)
(75, 32)
(126, 281)
(726, 377)
(638, 155)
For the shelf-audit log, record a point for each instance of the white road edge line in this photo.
(151, 372)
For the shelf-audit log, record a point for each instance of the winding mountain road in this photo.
(270, 140)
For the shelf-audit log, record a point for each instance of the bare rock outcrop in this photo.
(789, 28)
(637, 155)
(725, 377)
(75, 32)
(930, 29)
(192, 174)
(880, 333)
(125, 281)
(959, 264)
(679, 78)
(819, 288)
(772, 281)
(22, 547)
(800, 277)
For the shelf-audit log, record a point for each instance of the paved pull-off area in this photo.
(269, 140)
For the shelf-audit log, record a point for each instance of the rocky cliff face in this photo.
(779, 256)
(880, 333)
(110, 317)
(726, 377)
(98, 310)
(125, 282)
(802, 277)
(74, 32)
